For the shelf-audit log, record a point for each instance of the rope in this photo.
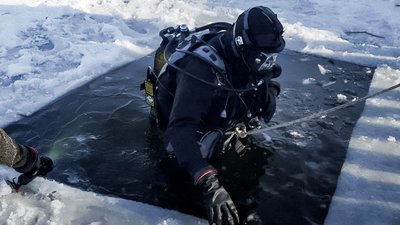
(319, 114)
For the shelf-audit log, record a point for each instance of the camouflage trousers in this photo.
(10, 152)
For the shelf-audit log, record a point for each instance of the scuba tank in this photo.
(172, 38)
(168, 35)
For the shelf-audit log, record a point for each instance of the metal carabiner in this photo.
(241, 130)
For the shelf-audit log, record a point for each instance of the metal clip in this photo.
(241, 131)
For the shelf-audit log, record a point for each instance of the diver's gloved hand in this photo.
(216, 200)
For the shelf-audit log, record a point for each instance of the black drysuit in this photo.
(187, 107)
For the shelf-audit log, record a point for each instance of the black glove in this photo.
(216, 200)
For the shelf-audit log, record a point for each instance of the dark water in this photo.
(102, 141)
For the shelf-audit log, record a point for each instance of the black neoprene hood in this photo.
(258, 28)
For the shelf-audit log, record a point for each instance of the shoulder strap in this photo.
(209, 55)
(200, 50)
(204, 53)
(179, 53)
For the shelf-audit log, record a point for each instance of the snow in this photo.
(309, 80)
(49, 47)
(323, 70)
(49, 202)
(370, 177)
(341, 98)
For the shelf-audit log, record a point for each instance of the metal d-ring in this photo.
(241, 130)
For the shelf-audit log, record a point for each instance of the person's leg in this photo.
(22, 158)
(10, 152)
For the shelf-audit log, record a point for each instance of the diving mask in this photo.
(260, 62)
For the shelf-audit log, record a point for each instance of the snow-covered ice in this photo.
(49, 47)
(368, 190)
(341, 98)
(49, 202)
(323, 70)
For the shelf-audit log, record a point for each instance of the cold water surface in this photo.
(101, 140)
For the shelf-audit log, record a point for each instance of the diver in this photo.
(23, 159)
(214, 84)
